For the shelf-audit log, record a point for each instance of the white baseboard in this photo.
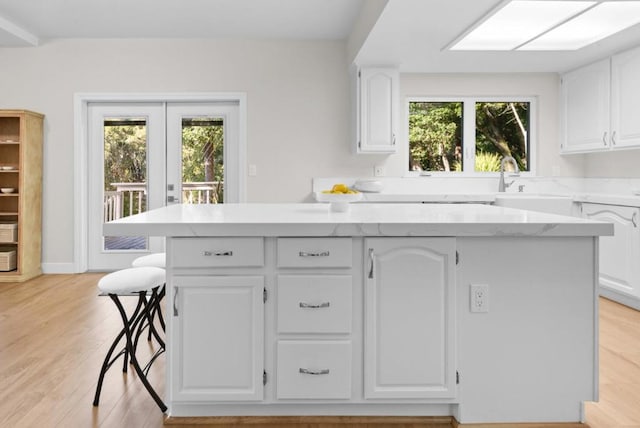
(625, 299)
(59, 268)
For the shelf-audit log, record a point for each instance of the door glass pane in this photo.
(125, 176)
(502, 129)
(202, 160)
(435, 136)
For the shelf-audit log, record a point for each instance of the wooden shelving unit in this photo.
(21, 135)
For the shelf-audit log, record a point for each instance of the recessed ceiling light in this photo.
(518, 22)
(605, 19)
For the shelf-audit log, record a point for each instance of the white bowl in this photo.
(339, 201)
(7, 167)
(7, 189)
(373, 186)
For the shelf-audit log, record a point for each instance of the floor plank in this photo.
(55, 331)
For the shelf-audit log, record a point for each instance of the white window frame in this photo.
(469, 132)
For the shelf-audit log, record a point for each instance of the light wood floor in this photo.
(55, 331)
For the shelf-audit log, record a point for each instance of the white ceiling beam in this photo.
(20, 36)
(364, 23)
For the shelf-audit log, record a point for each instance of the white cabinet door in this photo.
(585, 109)
(218, 332)
(409, 318)
(620, 253)
(625, 99)
(378, 110)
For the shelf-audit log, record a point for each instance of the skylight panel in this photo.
(518, 22)
(600, 22)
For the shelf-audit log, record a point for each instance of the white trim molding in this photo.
(80, 105)
(53, 268)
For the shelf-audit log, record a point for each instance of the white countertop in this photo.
(480, 198)
(624, 192)
(445, 198)
(362, 219)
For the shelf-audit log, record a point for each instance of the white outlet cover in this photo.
(479, 298)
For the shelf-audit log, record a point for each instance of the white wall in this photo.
(298, 109)
(544, 86)
(619, 164)
(297, 97)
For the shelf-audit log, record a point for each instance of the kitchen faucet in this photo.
(501, 184)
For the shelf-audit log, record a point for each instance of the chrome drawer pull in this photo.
(218, 253)
(312, 306)
(306, 254)
(314, 372)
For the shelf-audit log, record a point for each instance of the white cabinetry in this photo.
(377, 110)
(217, 319)
(314, 314)
(585, 108)
(600, 105)
(218, 344)
(314, 369)
(619, 254)
(409, 318)
(625, 99)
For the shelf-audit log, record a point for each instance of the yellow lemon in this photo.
(339, 188)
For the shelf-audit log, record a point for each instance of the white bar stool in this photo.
(154, 260)
(131, 281)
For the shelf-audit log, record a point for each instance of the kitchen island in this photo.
(481, 313)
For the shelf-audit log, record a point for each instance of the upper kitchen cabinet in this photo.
(377, 110)
(585, 108)
(625, 99)
(600, 104)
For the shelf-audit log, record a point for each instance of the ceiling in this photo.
(272, 19)
(413, 33)
(408, 33)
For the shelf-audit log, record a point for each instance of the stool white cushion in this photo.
(131, 280)
(155, 259)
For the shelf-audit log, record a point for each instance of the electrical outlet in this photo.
(479, 297)
(378, 171)
(253, 171)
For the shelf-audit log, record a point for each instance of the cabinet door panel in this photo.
(218, 346)
(585, 108)
(618, 254)
(409, 316)
(625, 99)
(378, 110)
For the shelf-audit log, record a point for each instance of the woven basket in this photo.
(7, 259)
(8, 232)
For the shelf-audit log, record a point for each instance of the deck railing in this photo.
(131, 198)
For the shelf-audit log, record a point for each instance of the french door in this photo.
(143, 156)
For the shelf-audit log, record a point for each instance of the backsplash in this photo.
(473, 185)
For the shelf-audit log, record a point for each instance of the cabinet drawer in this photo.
(314, 303)
(217, 252)
(314, 252)
(314, 369)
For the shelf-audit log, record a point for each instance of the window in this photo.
(470, 135)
